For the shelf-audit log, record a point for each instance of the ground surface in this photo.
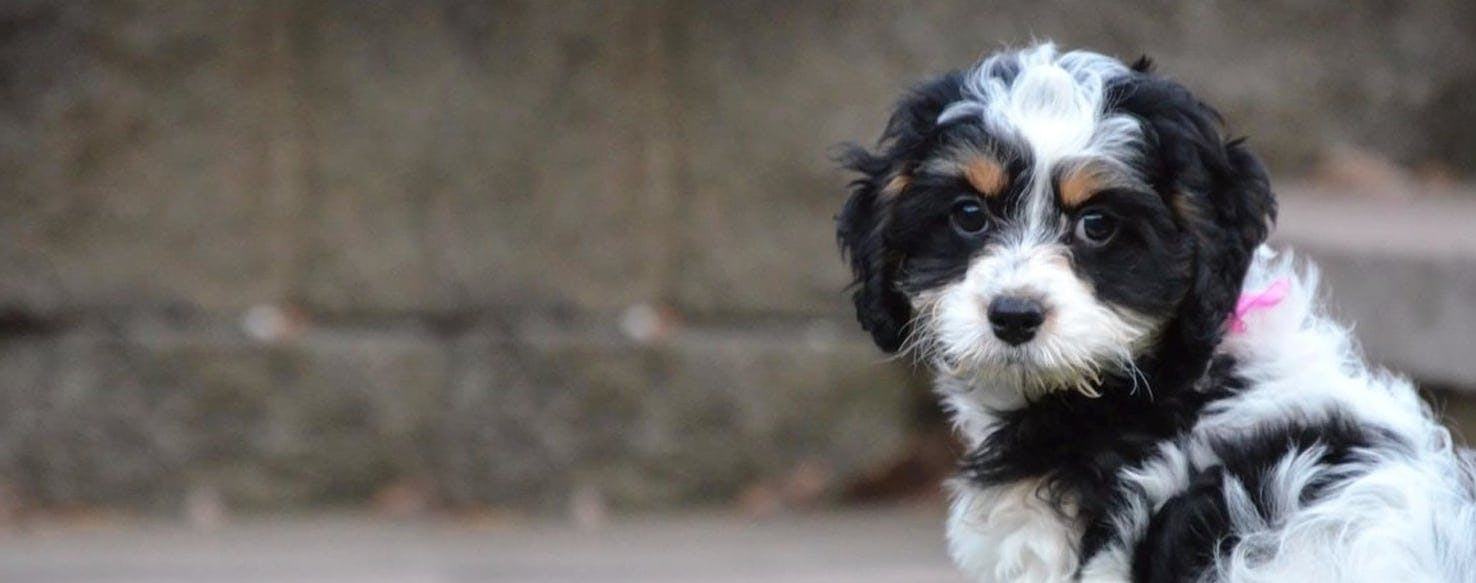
(857, 547)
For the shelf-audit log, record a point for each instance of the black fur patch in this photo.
(1192, 528)
(1187, 533)
(1078, 445)
(864, 225)
(1227, 194)
(1148, 265)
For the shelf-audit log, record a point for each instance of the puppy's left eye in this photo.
(968, 217)
(1095, 228)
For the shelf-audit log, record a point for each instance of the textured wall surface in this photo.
(299, 251)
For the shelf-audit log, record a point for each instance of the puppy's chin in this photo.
(1033, 371)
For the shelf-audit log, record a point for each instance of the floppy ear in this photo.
(861, 228)
(1234, 218)
(1221, 196)
(864, 223)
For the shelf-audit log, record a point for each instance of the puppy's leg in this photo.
(1009, 533)
(1186, 533)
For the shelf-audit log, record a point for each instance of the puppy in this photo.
(1147, 393)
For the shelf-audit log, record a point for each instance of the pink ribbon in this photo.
(1272, 295)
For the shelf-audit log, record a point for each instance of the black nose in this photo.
(1015, 319)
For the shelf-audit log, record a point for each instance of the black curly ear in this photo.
(861, 228)
(864, 222)
(1233, 219)
(1221, 196)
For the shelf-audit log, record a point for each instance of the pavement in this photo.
(878, 546)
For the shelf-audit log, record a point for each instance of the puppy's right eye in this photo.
(969, 217)
(1095, 228)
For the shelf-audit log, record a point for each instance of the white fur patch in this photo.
(1009, 534)
(1400, 516)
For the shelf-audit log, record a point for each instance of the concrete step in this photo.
(1402, 270)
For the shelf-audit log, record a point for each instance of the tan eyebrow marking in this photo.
(1080, 184)
(985, 174)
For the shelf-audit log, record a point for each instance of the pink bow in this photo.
(1272, 295)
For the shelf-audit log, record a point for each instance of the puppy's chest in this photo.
(1032, 500)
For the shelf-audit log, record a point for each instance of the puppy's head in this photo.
(1045, 219)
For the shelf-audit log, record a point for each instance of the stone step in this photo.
(1402, 270)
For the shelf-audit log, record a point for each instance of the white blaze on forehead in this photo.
(1055, 103)
(1055, 107)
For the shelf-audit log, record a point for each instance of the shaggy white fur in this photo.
(1008, 533)
(1392, 515)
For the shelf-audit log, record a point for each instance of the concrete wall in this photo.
(299, 251)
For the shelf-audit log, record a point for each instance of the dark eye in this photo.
(969, 217)
(1095, 228)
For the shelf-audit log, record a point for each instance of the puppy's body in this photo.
(1064, 238)
(1302, 465)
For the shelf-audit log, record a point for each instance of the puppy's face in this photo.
(1033, 272)
(1046, 220)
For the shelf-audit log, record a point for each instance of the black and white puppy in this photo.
(1065, 239)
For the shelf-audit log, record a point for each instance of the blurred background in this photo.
(451, 276)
